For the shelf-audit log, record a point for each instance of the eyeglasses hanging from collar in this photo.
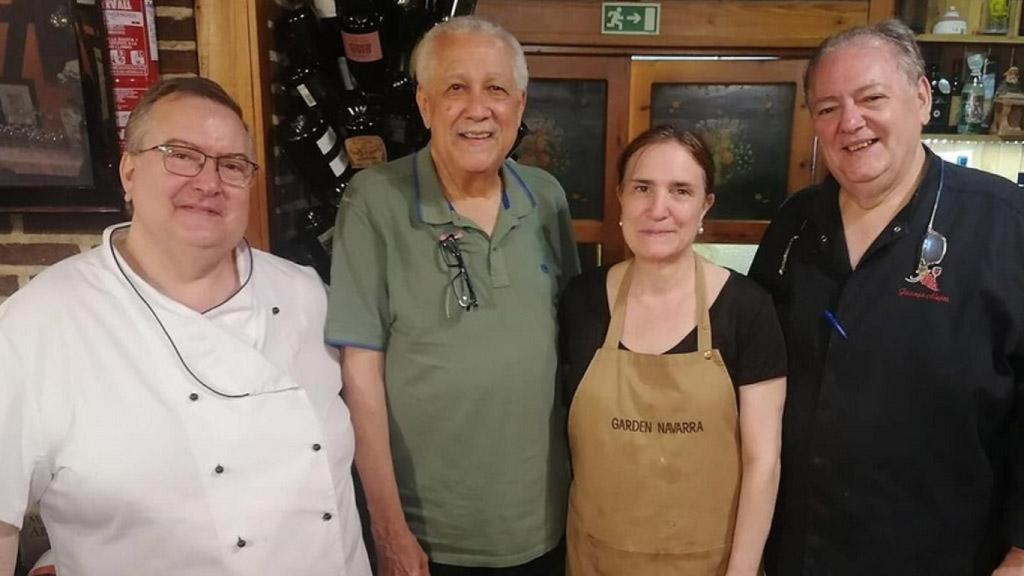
(460, 285)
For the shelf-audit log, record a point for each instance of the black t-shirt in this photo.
(744, 329)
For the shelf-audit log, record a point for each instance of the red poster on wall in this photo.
(132, 53)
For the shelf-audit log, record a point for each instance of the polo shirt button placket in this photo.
(316, 447)
(218, 469)
(326, 517)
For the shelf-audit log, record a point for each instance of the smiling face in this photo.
(663, 196)
(470, 102)
(180, 212)
(868, 117)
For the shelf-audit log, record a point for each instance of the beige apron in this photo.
(656, 458)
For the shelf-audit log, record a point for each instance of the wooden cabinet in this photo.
(563, 42)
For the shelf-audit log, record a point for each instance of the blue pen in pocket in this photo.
(835, 323)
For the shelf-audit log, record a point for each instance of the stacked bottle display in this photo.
(963, 102)
(344, 101)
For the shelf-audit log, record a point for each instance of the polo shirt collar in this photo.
(432, 207)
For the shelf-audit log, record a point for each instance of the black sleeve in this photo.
(583, 319)
(758, 350)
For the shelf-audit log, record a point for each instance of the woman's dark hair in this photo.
(665, 133)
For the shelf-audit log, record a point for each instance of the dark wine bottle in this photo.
(308, 86)
(315, 149)
(362, 23)
(315, 228)
(299, 35)
(363, 128)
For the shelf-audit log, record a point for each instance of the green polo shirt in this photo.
(477, 433)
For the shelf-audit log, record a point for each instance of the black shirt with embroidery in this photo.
(743, 328)
(903, 434)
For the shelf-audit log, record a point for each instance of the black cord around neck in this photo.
(117, 262)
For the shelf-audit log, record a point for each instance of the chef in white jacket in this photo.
(167, 397)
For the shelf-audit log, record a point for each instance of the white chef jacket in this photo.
(140, 466)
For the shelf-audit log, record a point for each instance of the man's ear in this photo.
(422, 101)
(127, 172)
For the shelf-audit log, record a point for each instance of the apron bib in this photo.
(656, 457)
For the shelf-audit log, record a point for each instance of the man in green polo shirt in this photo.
(447, 269)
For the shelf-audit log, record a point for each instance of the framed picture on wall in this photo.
(58, 141)
(574, 111)
(18, 104)
(753, 118)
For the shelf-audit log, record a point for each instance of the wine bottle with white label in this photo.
(315, 149)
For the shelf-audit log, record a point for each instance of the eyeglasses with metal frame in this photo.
(232, 169)
(460, 284)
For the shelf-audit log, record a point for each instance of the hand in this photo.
(399, 554)
(1012, 564)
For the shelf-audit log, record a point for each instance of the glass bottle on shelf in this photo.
(940, 100)
(363, 128)
(315, 228)
(362, 24)
(972, 99)
(315, 149)
(995, 17)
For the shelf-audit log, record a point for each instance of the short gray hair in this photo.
(892, 32)
(175, 88)
(424, 56)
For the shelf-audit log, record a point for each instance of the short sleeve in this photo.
(16, 437)
(760, 345)
(357, 310)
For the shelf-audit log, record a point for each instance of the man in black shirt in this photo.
(899, 283)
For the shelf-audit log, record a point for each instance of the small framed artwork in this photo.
(573, 111)
(18, 103)
(752, 116)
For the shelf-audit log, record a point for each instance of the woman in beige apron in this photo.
(662, 483)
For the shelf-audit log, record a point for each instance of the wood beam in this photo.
(228, 45)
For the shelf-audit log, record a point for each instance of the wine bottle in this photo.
(308, 86)
(362, 127)
(315, 149)
(298, 33)
(315, 228)
(361, 24)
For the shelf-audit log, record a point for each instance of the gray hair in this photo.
(892, 32)
(174, 88)
(424, 56)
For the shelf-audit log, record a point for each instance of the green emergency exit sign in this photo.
(631, 18)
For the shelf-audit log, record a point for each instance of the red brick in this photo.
(35, 254)
(8, 285)
(83, 223)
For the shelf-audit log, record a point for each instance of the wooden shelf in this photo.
(969, 39)
(927, 136)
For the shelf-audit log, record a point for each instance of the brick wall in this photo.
(31, 242)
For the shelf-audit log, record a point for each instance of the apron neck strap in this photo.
(701, 312)
(614, 334)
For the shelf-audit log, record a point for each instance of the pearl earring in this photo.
(620, 223)
(700, 229)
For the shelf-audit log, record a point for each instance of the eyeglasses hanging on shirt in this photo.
(460, 285)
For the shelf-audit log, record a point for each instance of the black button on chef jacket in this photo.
(903, 434)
